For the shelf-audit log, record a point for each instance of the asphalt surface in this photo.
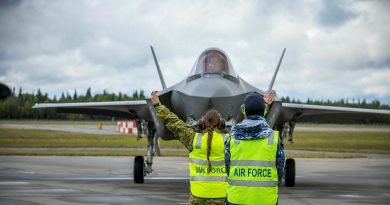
(108, 180)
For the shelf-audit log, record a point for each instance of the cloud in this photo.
(333, 13)
(334, 49)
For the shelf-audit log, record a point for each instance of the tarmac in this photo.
(108, 180)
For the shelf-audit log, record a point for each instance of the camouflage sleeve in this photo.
(181, 131)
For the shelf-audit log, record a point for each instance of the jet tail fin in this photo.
(158, 69)
(276, 71)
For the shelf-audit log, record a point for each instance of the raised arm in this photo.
(181, 131)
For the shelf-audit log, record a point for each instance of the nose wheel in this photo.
(139, 169)
(142, 167)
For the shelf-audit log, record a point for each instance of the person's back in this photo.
(208, 179)
(207, 171)
(252, 152)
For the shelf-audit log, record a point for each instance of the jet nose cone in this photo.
(212, 86)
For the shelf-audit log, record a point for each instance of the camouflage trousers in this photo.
(202, 201)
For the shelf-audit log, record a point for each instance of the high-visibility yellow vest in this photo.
(202, 183)
(253, 177)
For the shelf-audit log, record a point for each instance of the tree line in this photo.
(19, 104)
(357, 103)
(354, 103)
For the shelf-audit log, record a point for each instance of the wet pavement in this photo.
(108, 180)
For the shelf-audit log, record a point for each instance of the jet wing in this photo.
(305, 112)
(127, 109)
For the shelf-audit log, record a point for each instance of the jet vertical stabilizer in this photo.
(158, 69)
(276, 71)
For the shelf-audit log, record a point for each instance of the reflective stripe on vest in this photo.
(210, 179)
(252, 183)
(253, 177)
(204, 162)
(204, 184)
(270, 139)
(199, 140)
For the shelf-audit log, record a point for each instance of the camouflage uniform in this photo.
(202, 201)
(181, 131)
(185, 134)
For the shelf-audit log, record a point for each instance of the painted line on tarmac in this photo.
(90, 178)
(12, 183)
(167, 178)
(352, 196)
(47, 191)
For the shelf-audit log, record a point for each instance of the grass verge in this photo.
(55, 122)
(355, 142)
(45, 142)
(90, 152)
(55, 139)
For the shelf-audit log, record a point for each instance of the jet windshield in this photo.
(213, 60)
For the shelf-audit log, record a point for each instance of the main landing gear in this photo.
(289, 173)
(142, 167)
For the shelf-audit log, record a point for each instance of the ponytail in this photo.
(209, 139)
(211, 120)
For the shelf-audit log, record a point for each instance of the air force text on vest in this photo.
(203, 170)
(252, 172)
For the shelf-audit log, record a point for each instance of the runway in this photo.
(108, 180)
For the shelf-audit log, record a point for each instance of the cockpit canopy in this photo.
(213, 60)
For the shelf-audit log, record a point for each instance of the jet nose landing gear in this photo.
(142, 168)
(139, 170)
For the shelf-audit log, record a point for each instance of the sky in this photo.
(335, 49)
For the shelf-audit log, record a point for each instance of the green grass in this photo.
(55, 139)
(365, 142)
(336, 155)
(343, 125)
(55, 122)
(45, 142)
(90, 152)
(78, 144)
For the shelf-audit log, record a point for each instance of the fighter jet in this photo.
(212, 83)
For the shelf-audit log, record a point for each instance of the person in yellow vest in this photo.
(208, 179)
(254, 156)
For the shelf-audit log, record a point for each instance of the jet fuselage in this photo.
(191, 98)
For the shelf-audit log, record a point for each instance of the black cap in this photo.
(254, 104)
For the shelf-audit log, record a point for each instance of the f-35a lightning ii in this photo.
(212, 83)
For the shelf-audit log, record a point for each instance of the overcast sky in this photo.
(335, 49)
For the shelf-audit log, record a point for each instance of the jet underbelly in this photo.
(212, 91)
